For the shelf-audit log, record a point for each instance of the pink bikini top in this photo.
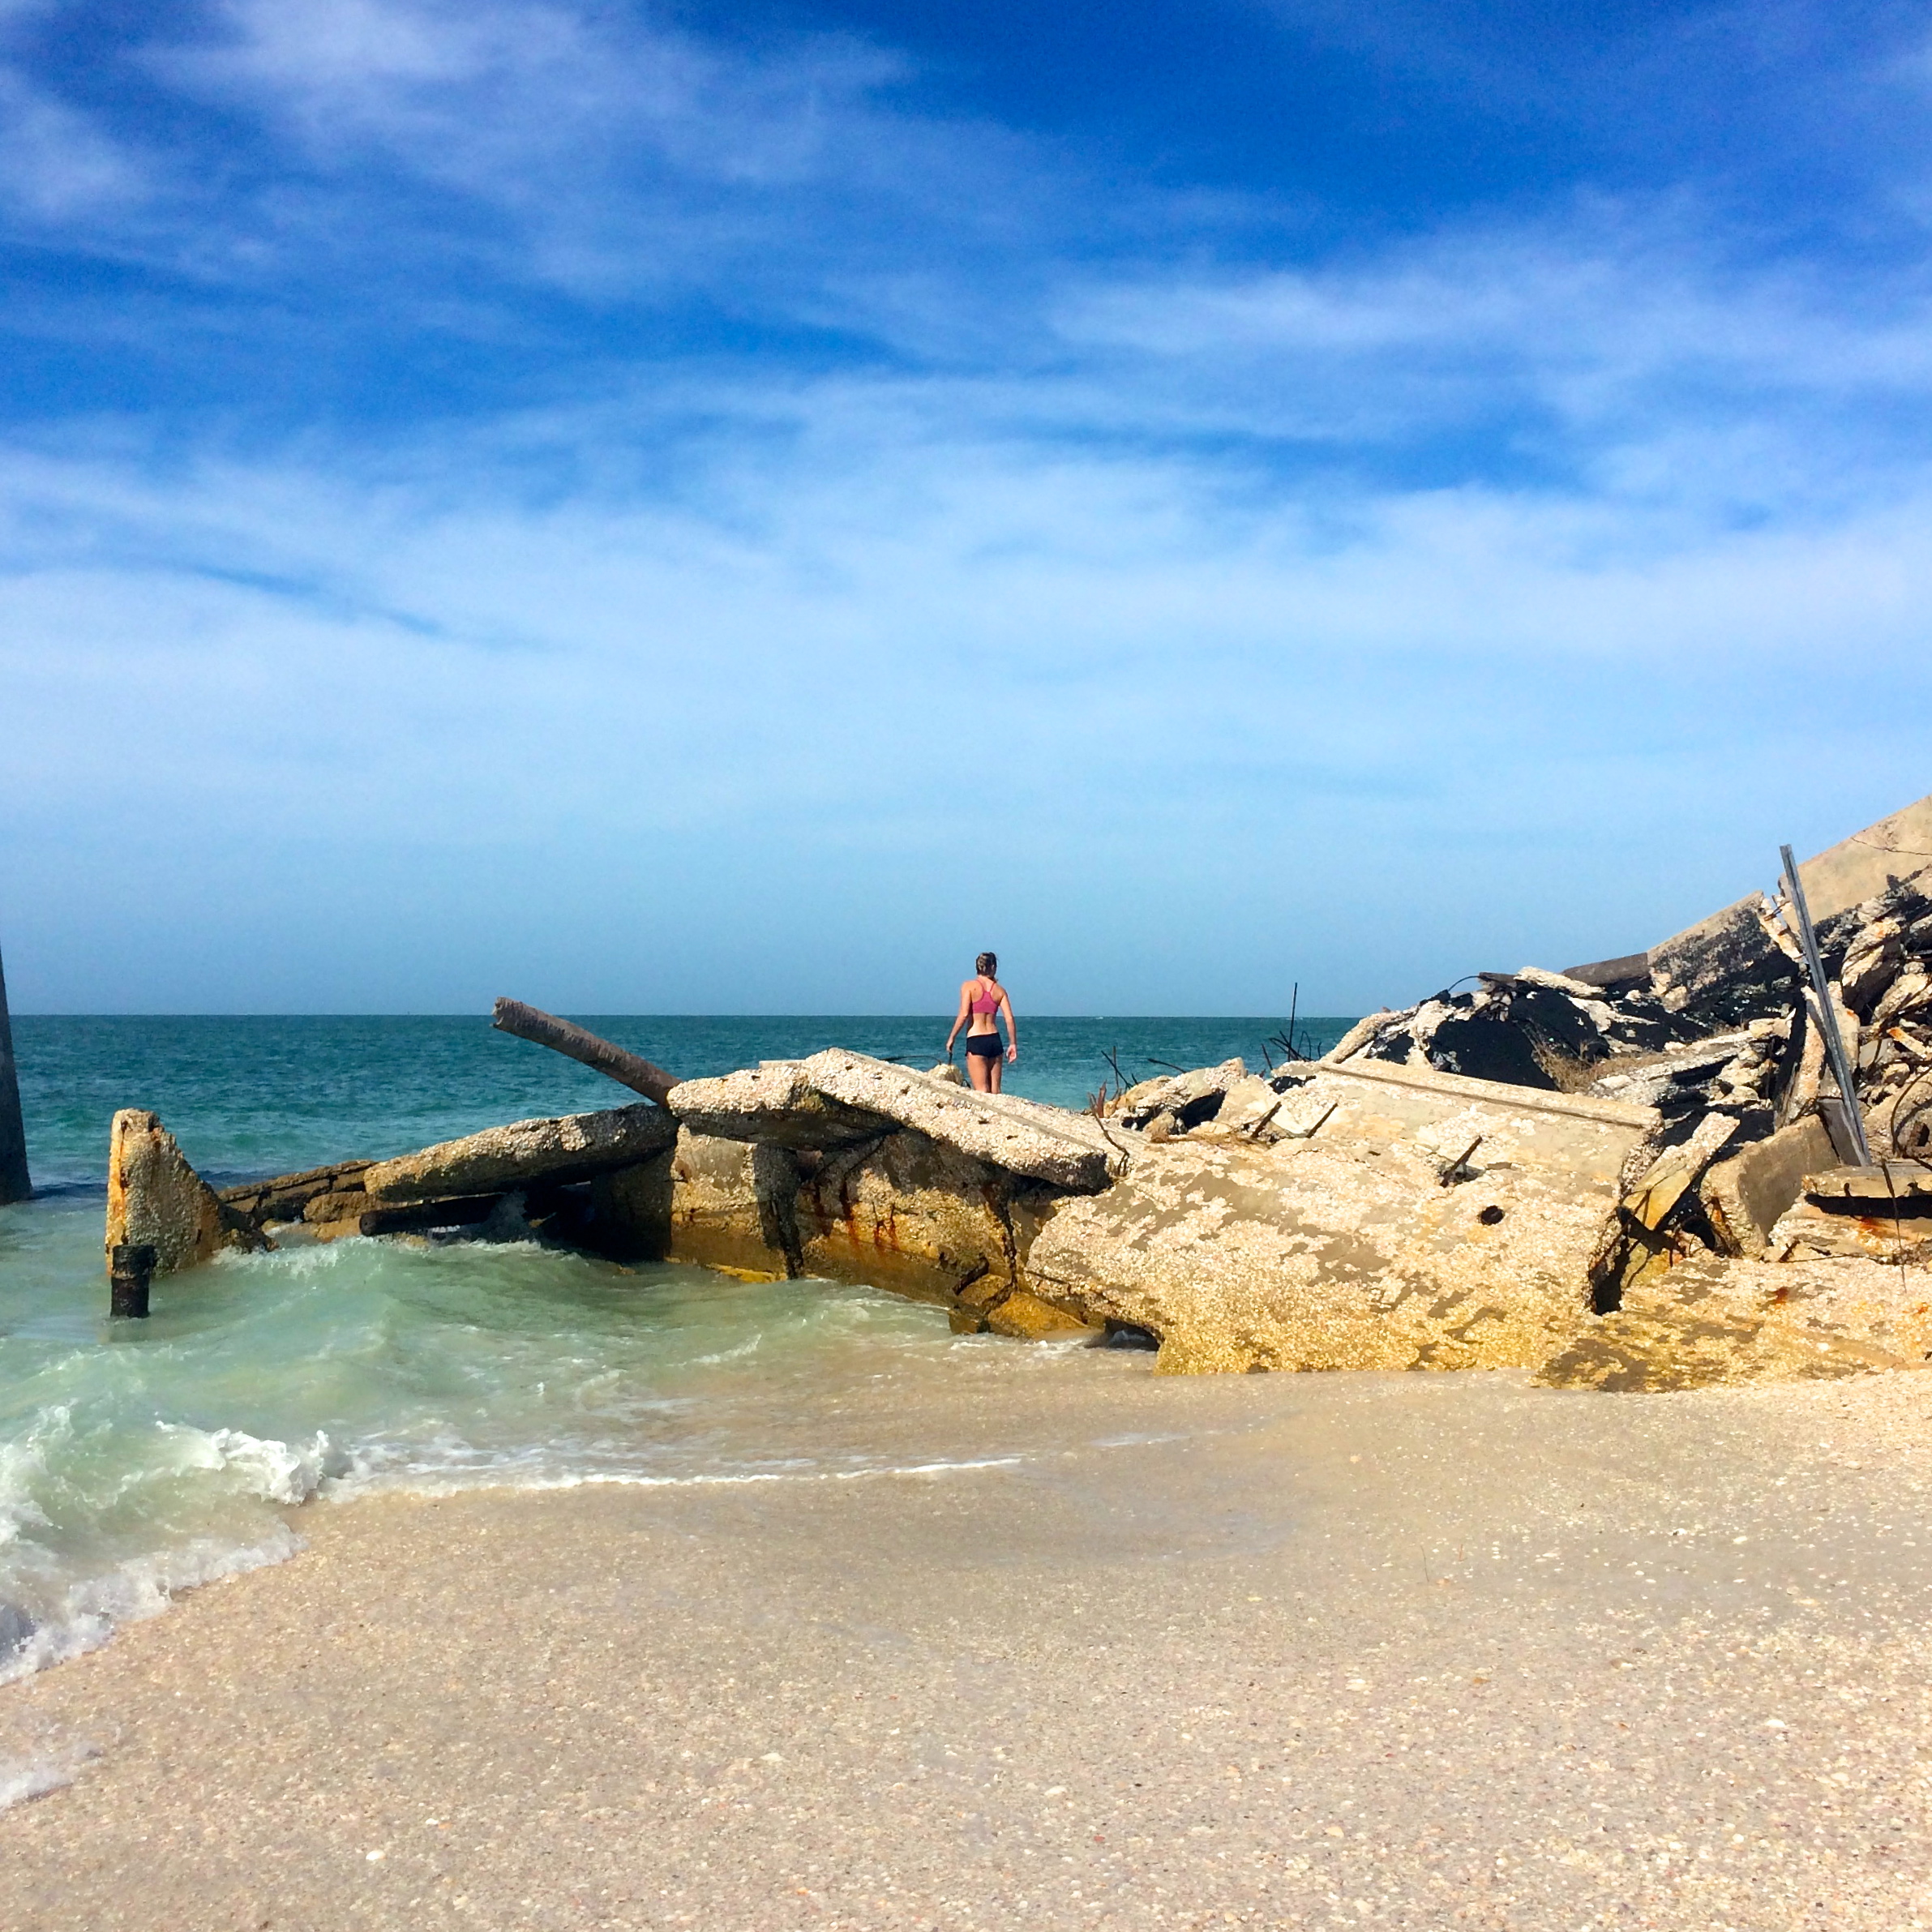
(985, 1003)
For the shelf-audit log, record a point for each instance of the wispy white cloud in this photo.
(58, 166)
(1456, 596)
(612, 155)
(878, 654)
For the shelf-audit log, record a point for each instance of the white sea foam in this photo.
(274, 1470)
(51, 1759)
(87, 1612)
(23, 1469)
(528, 1472)
(22, 1778)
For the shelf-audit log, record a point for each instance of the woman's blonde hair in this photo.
(986, 964)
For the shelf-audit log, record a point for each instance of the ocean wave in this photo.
(101, 1526)
(274, 1470)
(88, 1612)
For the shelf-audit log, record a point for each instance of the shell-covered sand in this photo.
(1112, 1651)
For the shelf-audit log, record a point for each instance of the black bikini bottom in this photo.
(986, 1045)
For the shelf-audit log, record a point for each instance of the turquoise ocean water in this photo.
(138, 1459)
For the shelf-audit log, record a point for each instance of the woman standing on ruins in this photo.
(982, 1000)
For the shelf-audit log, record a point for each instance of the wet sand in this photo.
(1420, 1651)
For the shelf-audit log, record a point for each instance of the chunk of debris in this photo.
(155, 1198)
(569, 1147)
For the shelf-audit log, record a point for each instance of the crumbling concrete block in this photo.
(1186, 1099)
(155, 1198)
(1746, 1193)
(729, 1201)
(909, 1213)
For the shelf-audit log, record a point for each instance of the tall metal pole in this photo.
(1841, 1065)
(15, 1185)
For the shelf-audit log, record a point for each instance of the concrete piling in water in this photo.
(131, 1270)
(14, 1183)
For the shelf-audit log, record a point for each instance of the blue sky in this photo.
(719, 509)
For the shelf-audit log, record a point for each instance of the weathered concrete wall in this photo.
(728, 1201)
(155, 1197)
(905, 1213)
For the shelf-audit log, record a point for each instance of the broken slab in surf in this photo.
(553, 1151)
(155, 1199)
(836, 1098)
(566, 1167)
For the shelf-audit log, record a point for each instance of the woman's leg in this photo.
(995, 1068)
(976, 1072)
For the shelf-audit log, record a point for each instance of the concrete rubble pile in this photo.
(1630, 1175)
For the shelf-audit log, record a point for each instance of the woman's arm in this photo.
(1012, 1030)
(960, 1018)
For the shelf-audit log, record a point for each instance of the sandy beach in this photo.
(1127, 1651)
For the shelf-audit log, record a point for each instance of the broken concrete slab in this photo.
(1882, 1214)
(837, 1098)
(1049, 1143)
(567, 1147)
(776, 1102)
(1852, 1190)
(155, 1199)
(1187, 1099)
(1746, 1193)
(284, 1198)
(1365, 1247)
(1530, 1028)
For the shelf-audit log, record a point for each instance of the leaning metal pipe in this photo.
(1828, 1011)
(562, 1036)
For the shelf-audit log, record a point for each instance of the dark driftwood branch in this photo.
(627, 1069)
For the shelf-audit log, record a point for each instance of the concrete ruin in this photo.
(1629, 1175)
(155, 1199)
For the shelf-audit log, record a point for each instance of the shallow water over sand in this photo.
(138, 1459)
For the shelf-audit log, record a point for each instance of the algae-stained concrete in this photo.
(1713, 1320)
(1427, 1222)
(910, 1213)
(730, 1203)
(155, 1198)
